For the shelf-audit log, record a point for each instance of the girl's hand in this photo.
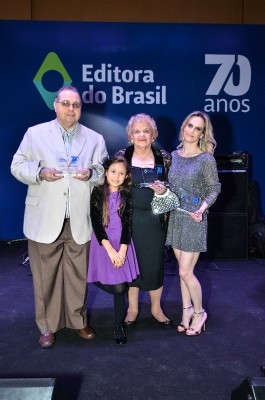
(121, 260)
(158, 187)
(123, 251)
(116, 258)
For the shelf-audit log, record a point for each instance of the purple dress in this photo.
(100, 267)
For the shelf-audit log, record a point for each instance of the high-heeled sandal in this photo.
(191, 331)
(181, 327)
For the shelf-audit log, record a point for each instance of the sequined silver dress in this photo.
(194, 180)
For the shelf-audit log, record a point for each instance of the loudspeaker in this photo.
(228, 217)
(227, 236)
(31, 389)
(250, 389)
(233, 176)
(233, 196)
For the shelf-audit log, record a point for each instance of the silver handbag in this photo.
(163, 204)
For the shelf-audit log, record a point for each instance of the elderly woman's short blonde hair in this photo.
(141, 118)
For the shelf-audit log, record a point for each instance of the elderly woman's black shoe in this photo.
(168, 324)
(130, 324)
(120, 335)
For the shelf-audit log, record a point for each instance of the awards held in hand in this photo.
(67, 165)
(150, 174)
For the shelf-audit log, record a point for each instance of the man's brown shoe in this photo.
(47, 339)
(86, 333)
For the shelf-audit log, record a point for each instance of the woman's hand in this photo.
(158, 187)
(197, 216)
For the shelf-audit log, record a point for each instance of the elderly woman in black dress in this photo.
(193, 177)
(147, 163)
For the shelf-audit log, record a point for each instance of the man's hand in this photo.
(83, 174)
(50, 174)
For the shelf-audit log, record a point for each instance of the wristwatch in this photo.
(41, 178)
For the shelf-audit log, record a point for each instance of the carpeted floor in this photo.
(155, 364)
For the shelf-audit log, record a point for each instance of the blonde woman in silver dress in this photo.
(193, 177)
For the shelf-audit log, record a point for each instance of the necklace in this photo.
(114, 198)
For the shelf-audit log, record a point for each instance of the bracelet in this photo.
(163, 194)
(91, 173)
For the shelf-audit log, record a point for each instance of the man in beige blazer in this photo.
(60, 161)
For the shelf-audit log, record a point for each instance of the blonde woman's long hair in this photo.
(207, 143)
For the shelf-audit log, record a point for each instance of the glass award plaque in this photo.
(150, 174)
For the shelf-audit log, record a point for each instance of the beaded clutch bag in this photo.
(163, 204)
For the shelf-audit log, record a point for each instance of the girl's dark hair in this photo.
(123, 189)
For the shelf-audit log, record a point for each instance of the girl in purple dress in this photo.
(112, 259)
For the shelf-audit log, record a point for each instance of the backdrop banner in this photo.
(120, 69)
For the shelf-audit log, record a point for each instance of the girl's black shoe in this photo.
(120, 335)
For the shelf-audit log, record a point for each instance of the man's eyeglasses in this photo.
(66, 103)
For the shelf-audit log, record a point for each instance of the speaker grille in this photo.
(27, 382)
(27, 389)
(227, 236)
(228, 216)
(250, 389)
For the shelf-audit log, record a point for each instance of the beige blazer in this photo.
(46, 201)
